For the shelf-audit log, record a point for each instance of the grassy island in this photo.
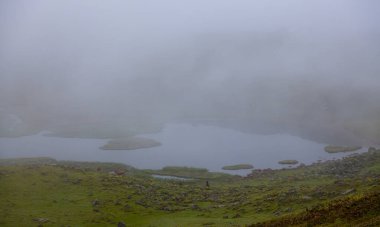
(131, 143)
(337, 149)
(288, 162)
(238, 167)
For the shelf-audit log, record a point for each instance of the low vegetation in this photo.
(361, 210)
(46, 192)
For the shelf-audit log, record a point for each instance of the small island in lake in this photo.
(238, 167)
(337, 149)
(131, 143)
(288, 162)
(190, 172)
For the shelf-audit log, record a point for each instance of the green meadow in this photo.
(46, 192)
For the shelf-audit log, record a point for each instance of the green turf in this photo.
(46, 192)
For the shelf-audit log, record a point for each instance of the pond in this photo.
(204, 146)
(164, 177)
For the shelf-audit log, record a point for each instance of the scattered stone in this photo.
(289, 209)
(371, 149)
(41, 220)
(121, 224)
(127, 207)
(305, 197)
(349, 191)
(112, 173)
(195, 207)
(95, 202)
(236, 216)
(165, 208)
(302, 165)
(117, 202)
(119, 172)
(77, 181)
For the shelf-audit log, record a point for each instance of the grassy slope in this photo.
(358, 210)
(85, 195)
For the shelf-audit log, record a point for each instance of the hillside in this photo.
(46, 192)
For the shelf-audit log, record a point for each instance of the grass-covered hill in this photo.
(46, 192)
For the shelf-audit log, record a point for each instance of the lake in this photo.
(192, 145)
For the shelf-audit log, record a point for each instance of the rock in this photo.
(77, 181)
(117, 202)
(119, 172)
(195, 207)
(41, 220)
(95, 202)
(349, 191)
(289, 209)
(165, 208)
(371, 149)
(236, 216)
(121, 224)
(127, 207)
(305, 197)
(140, 202)
(112, 173)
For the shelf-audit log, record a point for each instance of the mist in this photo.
(120, 67)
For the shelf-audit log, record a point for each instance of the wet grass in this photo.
(46, 192)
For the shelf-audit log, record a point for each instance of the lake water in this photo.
(182, 145)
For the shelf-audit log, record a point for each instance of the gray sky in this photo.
(204, 58)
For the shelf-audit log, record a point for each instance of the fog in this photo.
(118, 67)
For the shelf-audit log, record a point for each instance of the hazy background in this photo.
(95, 68)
